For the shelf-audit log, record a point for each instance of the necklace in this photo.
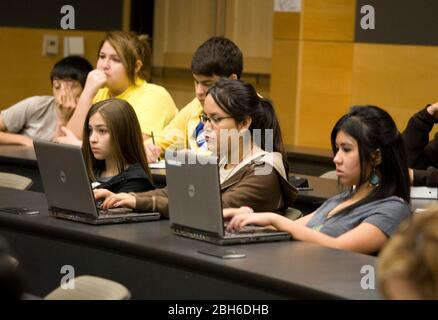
(225, 174)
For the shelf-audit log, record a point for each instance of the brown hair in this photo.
(131, 47)
(126, 137)
(412, 254)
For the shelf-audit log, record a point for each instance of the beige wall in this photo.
(319, 72)
(25, 71)
(317, 69)
(180, 26)
(401, 78)
(312, 69)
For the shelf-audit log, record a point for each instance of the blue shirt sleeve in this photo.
(389, 215)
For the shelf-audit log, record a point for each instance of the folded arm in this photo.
(96, 79)
(13, 138)
(416, 137)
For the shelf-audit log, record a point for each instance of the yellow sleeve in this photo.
(175, 132)
(154, 112)
(152, 104)
(102, 94)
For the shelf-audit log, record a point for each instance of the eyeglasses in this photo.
(213, 120)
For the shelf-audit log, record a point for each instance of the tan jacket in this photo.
(262, 192)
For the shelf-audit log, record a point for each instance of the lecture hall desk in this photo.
(156, 264)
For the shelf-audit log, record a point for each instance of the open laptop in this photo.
(68, 190)
(195, 206)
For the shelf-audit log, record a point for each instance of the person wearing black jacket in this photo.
(422, 153)
(132, 179)
(113, 148)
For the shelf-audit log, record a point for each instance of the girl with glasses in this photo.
(242, 129)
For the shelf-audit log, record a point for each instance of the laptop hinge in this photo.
(178, 227)
(56, 210)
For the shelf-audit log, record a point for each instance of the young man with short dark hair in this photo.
(216, 58)
(41, 117)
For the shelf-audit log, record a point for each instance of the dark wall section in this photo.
(142, 16)
(400, 22)
(89, 15)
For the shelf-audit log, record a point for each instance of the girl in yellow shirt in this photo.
(122, 69)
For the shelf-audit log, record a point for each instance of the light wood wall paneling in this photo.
(180, 27)
(250, 24)
(402, 79)
(25, 71)
(325, 81)
(331, 20)
(284, 81)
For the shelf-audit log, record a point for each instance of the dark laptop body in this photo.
(68, 190)
(195, 206)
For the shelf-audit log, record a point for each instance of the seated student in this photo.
(122, 69)
(407, 267)
(41, 117)
(216, 58)
(422, 153)
(113, 148)
(249, 175)
(370, 159)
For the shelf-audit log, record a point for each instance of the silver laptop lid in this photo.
(64, 177)
(194, 191)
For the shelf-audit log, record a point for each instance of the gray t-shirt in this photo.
(386, 214)
(34, 117)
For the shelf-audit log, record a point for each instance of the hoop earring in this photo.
(374, 180)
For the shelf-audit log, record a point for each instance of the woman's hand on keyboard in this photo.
(241, 220)
(115, 200)
(229, 213)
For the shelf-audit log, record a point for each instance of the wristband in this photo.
(250, 210)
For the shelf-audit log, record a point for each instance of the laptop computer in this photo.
(68, 190)
(195, 205)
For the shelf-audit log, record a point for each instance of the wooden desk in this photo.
(22, 160)
(322, 189)
(423, 203)
(156, 264)
(309, 161)
(307, 201)
(19, 153)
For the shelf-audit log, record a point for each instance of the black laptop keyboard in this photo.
(249, 230)
(113, 211)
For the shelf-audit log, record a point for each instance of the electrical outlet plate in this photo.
(50, 45)
(73, 46)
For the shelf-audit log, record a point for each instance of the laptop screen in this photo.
(65, 178)
(194, 191)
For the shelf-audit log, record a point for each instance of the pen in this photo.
(152, 136)
(153, 141)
